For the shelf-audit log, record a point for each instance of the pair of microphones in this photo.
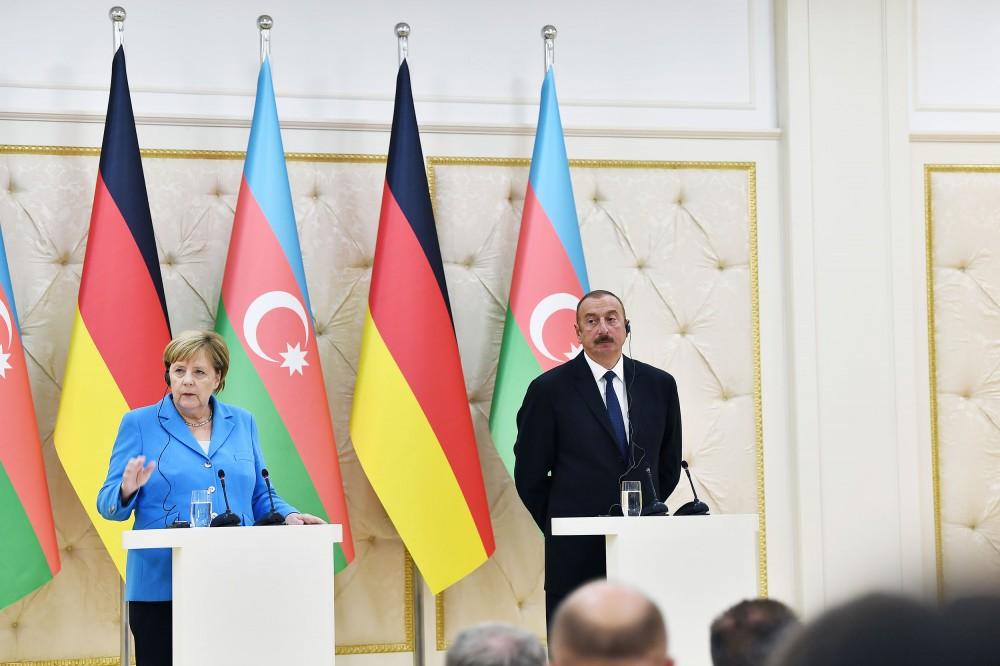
(693, 508)
(230, 519)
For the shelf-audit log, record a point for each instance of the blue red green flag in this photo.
(31, 556)
(265, 317)
(550, 277)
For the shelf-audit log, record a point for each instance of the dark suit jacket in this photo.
(567, 462)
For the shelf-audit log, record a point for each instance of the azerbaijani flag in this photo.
(266, 318)
(31, 556)
(115, 360)
(410, 421)
(550, 277)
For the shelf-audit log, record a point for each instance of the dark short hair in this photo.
(747, 633)
(875, 630)
(495, 644)
(574, 633)
(971, 623)
(598, 293)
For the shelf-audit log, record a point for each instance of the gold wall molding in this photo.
(180, 154)
(88, 661)
(929, 170)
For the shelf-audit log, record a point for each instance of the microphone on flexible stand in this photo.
(656, 507)
(227, 519)
(273, 518)
(695, 507)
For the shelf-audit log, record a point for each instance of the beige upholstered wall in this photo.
(676, 240)
(963, 266)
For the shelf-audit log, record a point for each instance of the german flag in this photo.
(115, 360)
(410, 420)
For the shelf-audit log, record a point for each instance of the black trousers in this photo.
(152, 628)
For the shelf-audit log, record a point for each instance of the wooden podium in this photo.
(693, 567)
(250, 595)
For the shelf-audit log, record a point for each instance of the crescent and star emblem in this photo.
(294, 357)
(547, 307)
(5, 316)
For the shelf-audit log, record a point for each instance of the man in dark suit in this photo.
(576, 441)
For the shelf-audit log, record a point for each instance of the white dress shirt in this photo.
(617, 384)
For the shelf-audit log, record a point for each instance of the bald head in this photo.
(606, 623)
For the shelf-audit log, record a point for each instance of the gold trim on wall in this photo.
(169, 153)
(932, 360)
(932, 348)
(409, 642)
(751, 169)
(90, 661)
(76, 151)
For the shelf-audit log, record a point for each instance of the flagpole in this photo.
(117, 16)
(264, 25)
(402, 30)
(402, 39)
(549, 45)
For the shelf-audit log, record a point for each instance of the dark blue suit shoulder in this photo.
(652, 371)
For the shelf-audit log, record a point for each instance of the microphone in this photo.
(656, 507)
(273, 518)
(227, 519)
(695, 507)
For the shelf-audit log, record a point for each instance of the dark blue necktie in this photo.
(615, 413)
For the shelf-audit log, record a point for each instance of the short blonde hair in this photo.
(189, 343)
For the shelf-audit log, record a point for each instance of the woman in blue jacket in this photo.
(162, 453)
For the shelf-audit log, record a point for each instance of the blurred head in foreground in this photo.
(608, 624)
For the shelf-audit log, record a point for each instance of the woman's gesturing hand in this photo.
(136, 474)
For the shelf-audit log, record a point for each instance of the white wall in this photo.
(682, 64)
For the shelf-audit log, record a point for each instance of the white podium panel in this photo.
(250, 595)
(693, 567)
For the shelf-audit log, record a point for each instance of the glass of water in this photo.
(201, 508)
(631, 498)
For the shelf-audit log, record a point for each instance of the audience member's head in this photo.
(875, 630)
(495, 644)
(973, 632)
(747, 633)
(604, 623)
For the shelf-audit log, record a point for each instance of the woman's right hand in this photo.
(136, 474)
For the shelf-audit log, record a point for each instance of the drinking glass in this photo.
(201, 508)
(631, 498)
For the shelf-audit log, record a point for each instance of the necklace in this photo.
(198, 424)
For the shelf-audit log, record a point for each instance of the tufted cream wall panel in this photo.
(675, 240)
(963, 236)
(44, 210)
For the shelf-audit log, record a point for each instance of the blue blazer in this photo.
(159, 433)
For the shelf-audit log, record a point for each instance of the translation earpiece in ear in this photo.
(628, 327)
(166, 377)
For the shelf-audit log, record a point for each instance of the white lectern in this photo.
(250, 595)
(694, 567)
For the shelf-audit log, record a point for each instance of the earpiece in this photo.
(628, 327)
(166, 373)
